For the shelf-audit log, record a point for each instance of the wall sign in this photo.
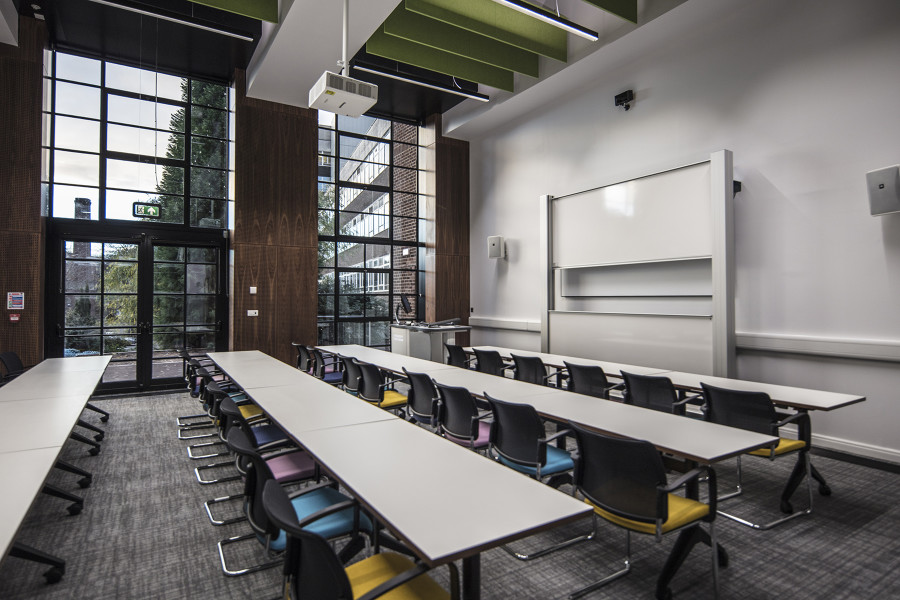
(15, 301)
(145, 210)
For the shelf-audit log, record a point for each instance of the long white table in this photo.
(557, 361)
(391, 362)
(427, 491)
(52, 395)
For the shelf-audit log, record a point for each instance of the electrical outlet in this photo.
(252, 313)
(252, 289)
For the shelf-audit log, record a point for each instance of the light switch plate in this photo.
(252, 289)
(252, 313)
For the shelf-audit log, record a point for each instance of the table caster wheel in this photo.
(824, 490)
(53, 575)
(94, 451)
(786, 507)
(74, 509)
(104, 418)
(85, 482)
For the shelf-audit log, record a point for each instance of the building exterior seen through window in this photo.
(370, 228)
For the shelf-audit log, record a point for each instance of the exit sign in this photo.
(146, 211)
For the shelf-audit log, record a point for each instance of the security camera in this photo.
(625, 99)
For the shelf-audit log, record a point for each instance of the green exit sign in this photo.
(146, 211)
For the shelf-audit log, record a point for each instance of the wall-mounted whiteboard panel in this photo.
(700, 306)
(668, 342)
(659, 217)
(667, 278)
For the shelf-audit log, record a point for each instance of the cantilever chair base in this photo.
(207, 445)
(230, 572)
(218, 522)
(213, 466)
(545, 551)
(182, 421)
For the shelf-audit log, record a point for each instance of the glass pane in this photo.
(144, 142)
(405, 155)
(168, 367)
(71, 202)
(364, 224)
(209, 183)
(364, 201)
(326, 281)
(405, 257)
(350, 254)
(77, 68)
(365, 126)
(326, 306)
(75, 167)
(325, 170)
(209, 94)
(89, 250)
(351, 333)
(120, 251)
(352, 283)
(131, 175)
(120, 371)
(365, 173)
(201, 255)
(82, 311)
(81, 345)
(168, 278)
(77, 134)
(120, 311)
(82, 276)
(209, 122)
(352, 306)
(200, 341)
(209, 213)
(326, 142)
(119, 342)
(406, 205)
(326, 254)
(201, 310)
(379, 333)
(168, 310)
(405, 283)
(156, 115)
(120, 205)
(78, 100)
(406, 230)
(378, 256)
(208, 153)
(377, 306)
(326, 333)
(405, 180)
(326, 222)
(201, 279)
(360, 149)
(141, 81)
(326, 119)
(120, 277)
(168, 253)
(326, 195)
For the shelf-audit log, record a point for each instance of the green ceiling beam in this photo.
(426, 57)
(627, 9)
(437, 34)
(496, 21)
(264, 10)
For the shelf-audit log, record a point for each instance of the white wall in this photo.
(807, 96)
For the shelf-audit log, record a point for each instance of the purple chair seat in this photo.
(481, 441)
(292, 466)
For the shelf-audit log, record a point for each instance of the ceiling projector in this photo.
(342, 95)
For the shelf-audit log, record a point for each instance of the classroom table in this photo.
(256, 368)
(557, 361)
(393, 362)
(427, 491)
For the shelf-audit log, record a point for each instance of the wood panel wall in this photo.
(275, 230)
(446, 167)
(21, 223)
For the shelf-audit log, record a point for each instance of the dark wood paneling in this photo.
(257, 266)
(452, 193)
(22, 271)
(296, 301)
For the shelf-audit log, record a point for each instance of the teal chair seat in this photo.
(332, 526)
(558, 461)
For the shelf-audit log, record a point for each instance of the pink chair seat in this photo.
(481, 440)
(292, 466)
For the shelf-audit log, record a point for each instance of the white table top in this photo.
(480, 383)
(52, 419)
(62, 377)
(72, 363)
(558, 360)
(780, 394)
(386, 360)
(24, 472)
(443, 500)
(254, 369)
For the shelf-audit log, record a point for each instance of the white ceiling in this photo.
(9, 23)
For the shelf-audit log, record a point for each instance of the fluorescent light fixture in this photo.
(550, 17)
(419, 82)
(147, 13)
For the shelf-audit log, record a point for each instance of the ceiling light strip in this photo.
(398, 77)
(548, 17)
(147, 13)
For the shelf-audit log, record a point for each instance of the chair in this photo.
(490, 362)
(589, 380)
(312, 570)
(328, 370)
(530, 369)
(374, 389)
(352, 375)
(319, 508)
(754, 411)
(656, 393)
(421, 401)
(457, 357)
(190, 378)
(459, 419)
(304, 358)
(624, 480)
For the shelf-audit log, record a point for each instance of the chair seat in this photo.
(333, 377)
(682, 511)
(371, 572)
(484, 435)
(334, 525)
(392, 399)
(266, 434)
(557, 461)
(292, 466)
(784, 446)
(249, 411)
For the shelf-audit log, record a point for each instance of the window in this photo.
(369, 227)
(116, 135)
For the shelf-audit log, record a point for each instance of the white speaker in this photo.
(883, 186)
(496, 247)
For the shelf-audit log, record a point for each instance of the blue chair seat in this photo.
(266, 434)
(334, 525)
(557, 461)
(333, 378)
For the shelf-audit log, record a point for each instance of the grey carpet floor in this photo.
(144, 532)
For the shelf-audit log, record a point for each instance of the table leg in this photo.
(793, 482)
(471, 583)
(57, 565)
(686, 541)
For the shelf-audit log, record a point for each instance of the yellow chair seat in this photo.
(249, 411)
(784, 446)
(682, 511)
(368, 574)
(392, 399)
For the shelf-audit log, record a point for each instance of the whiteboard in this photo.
(663, 216)
(667, 278)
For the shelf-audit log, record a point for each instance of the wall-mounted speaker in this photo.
(883, 186)
(496, 247)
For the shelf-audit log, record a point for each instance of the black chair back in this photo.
(621, 476)
(589, 380)
(456, 356)
(515, 433)
(352, 374)
(370, 383)
(311, 569)
(12, 363)
(421, 397)
(255, 479)
(458, 414)
(304, 358)
(489, 361)
(318, 363)
(530, 369)
(647, 391)
(752, 411)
